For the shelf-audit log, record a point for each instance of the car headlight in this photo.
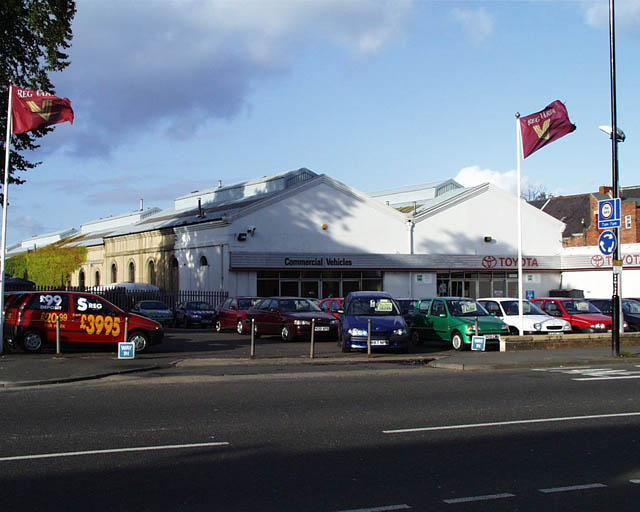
(471, 328)
(537, 327)
(357, 332)
(625, 325)
(567, 327)
(301, 322)
(399, 332)
(597, 326)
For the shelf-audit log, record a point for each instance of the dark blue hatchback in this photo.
(388, 327)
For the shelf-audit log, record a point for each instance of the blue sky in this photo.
(171, 96)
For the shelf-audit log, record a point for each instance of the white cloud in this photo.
(476, 22)
(474, 175)
(145, 65)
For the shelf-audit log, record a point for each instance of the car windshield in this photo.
(577, 307)
(466, 307)
(247, 303)
(406, 304)
(511, 308)
(200, 306)
(298, 306)
(372, 306)
(631, 306)
(153, 304)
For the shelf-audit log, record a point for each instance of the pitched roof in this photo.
(574, 211)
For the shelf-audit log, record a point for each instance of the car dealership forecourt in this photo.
(299, 233)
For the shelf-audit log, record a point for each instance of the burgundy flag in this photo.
(36, 109)
(543, 127)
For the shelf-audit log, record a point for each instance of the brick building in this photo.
(580, 214)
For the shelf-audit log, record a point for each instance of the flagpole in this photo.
(519, 199)
(4, 219)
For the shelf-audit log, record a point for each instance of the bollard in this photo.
(126, 328)
(369, 337)
(253, 340)
(476, 326)
(58, 336)
(313, 331)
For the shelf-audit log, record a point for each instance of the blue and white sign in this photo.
(126, 350)
(609, 213)
(530, 294)
(478, 343)
(607, 242)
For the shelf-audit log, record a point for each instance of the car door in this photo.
(261, 316)
(97, 320)
(439, 319)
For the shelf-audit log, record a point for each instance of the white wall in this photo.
(294, 224)
(406, 284)
(460, 229)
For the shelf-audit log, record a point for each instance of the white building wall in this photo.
(410, 284)
(323, 219)
(598, 283)
(461, 228)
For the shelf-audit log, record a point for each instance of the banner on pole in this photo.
(32, 110)
(542, 128)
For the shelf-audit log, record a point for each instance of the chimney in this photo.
(219, 183)
(606, 190)
(141, 204)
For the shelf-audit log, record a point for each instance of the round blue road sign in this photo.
(607, 242)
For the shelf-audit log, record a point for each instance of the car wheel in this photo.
(286, 334)
(513, 331)
(456, 341)
(218, 326)
(240, 327)
(32, 341)
(344, 346)
(140, 341)
(415, 338)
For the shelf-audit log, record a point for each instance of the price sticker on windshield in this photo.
(468, 307)
(384, 305)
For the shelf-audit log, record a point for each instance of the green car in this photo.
(454, 319)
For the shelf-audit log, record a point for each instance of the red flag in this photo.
(36, 109)
(543, 127)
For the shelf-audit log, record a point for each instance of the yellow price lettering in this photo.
(96, 324)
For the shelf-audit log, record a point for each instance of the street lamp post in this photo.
(617, 263)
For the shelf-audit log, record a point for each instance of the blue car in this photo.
(388, 327)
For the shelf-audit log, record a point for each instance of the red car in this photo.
(291, 318)
(331, 305)
(232, 313)
(31, 318)
(580, 313)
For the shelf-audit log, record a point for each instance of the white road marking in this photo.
(514, 422)
(113, 450)
(572, 488)
(589, 373)
(378, 509)
(480, 498)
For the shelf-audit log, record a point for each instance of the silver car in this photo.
(154, 309)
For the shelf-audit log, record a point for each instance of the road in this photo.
(380, 438)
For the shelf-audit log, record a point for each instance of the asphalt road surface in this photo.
(383, 438)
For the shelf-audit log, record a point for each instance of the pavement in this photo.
(19, 369)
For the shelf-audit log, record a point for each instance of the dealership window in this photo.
(316, 283)
(477, 284)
